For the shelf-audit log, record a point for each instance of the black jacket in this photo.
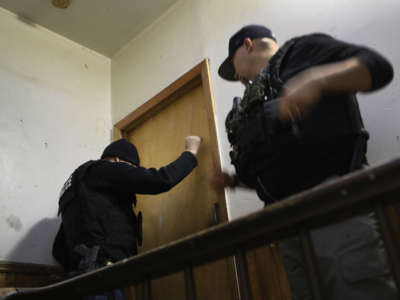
(96, 205)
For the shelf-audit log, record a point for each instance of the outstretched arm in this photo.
(335, 67)
(150, 180)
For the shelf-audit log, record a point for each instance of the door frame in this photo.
(198, 75)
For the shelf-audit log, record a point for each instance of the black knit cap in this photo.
(226, 69)
(122, 149)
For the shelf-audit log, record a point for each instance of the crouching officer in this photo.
(99, 226)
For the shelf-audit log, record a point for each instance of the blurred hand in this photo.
(192, 144)
(299, 95)
(220, 180)
(304, 90)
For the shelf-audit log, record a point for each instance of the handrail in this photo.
(339, 198)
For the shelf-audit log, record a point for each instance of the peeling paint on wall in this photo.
(14, 222)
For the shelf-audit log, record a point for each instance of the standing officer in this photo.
(297, 125)
(99, 226)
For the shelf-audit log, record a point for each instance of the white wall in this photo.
(55, 109)
(54, 114)
(193, 30)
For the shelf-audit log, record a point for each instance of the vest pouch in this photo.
(272, 123)
(251, 133)
(251, 138)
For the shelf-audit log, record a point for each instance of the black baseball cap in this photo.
(226, 69)
(122, 149)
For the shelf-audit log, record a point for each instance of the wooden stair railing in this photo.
(374, 188)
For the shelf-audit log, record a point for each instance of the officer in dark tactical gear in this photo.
(298, 124)
(99, 226)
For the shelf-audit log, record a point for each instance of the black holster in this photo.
(85, 258)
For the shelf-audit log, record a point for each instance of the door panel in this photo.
(188, 207)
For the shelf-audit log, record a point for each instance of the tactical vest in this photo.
(258, 139)
(95, 219)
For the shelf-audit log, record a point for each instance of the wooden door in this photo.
(190, 206)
